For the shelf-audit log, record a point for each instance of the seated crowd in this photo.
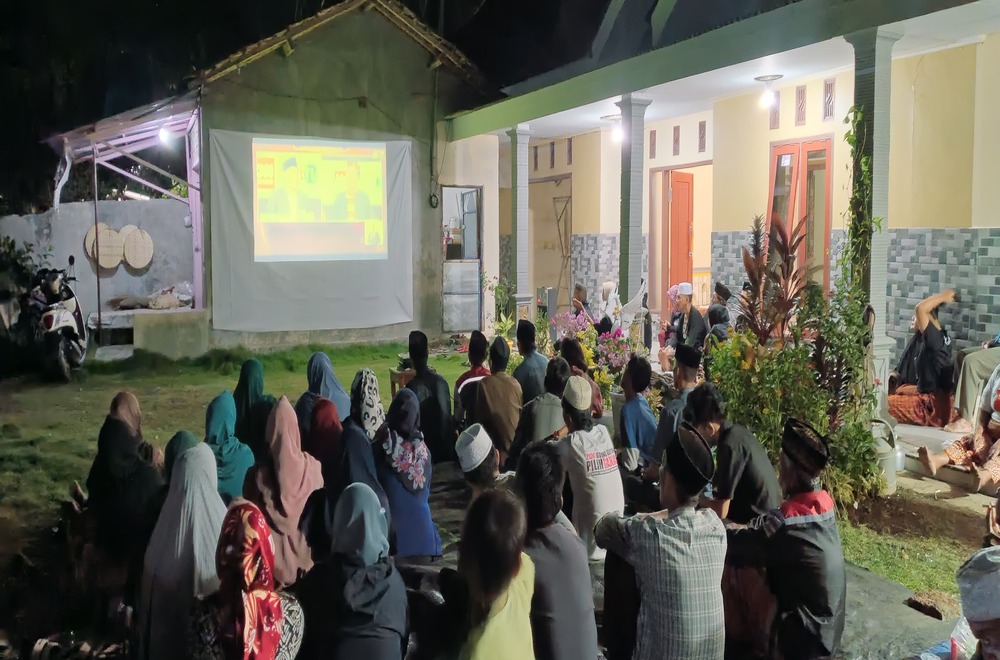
(305, 531)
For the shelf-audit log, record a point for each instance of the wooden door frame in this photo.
(654, 263)
(829, 138)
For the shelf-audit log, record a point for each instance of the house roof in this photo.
(405, 21)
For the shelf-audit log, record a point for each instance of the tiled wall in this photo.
(595, 260)
(505, 243)
(921, 262)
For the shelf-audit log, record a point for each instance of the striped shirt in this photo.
(678, 560)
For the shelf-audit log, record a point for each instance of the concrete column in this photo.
(872, 90)
(520, 253)
(633, 111)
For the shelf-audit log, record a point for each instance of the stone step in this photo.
(113, 353)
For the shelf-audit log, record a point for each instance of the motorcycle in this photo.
(57, 321)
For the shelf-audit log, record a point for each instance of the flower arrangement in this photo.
(613, 352)
(567, 324)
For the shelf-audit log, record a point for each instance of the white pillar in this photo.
(872, 90)
(520, 253)
(633, 110)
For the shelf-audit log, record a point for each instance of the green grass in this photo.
(48, 433)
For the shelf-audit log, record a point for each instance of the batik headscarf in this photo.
(366, 405)
(322, 383)
(251, 609)
(249, 390)
(180, 560)
(232, 457)
(281, 489)
(180, 443)
(359, 529)
(125, 408)
(401, 440)
(323, 441)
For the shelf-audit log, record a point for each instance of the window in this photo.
(800, 105)
(652, 144)
(829, 99)
(776, 112)
(702, 136)
(569, 151)
(677, 140)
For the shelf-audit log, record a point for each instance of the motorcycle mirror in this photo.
(72, 260)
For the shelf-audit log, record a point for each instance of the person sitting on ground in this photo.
(588, 454)
(562, 610)
(691, 328)
(500, 578)
(498, 401)
(253, 407)
(905, 372)
(745, 483)
(542, 417)
(799, 544)
(323, 382)
(718, 321)
(124, 492)
(246, 618)
(572, 351)
(979, 451)
(638, 424)
(643, 493)
(677, 555)
(531, 372)
(478, 345)
(404, 470)
(435, 400)
(179, 564)
(979, 583)
(280, 488)
(975, 364)
(355, 599)
(232, 457)
(929, 402)
(580, 304)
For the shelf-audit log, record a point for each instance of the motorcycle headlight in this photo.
(48, 321)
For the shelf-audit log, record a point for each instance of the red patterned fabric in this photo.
(245, 563)
(934, 409)
(981, 450)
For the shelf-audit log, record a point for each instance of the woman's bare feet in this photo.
(931, 462)
(959, 426)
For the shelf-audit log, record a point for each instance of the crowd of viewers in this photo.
(305, 531)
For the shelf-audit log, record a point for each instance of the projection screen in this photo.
(309, 233)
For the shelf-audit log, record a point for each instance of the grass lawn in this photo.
(48, 438)
(48, 433)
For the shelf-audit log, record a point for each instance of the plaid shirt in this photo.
(678, 560)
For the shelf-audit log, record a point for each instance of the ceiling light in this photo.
(165, 135)
(617, 134)
(768, 97)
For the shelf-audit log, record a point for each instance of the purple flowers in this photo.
(568, 324)
(613, 352)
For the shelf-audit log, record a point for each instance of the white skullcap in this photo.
(979, 584)
(685, 289)
(578, 393)
(472, 447)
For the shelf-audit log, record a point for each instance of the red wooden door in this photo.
(680, 201)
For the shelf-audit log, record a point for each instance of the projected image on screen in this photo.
(319, 200)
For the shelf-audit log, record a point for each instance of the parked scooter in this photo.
(57, 321)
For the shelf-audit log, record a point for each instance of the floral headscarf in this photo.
(244, 561)
(402, 442)
(366, 405)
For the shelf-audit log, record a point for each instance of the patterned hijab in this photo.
(251, 608)
(232, 457)
(366, 405)
(323, 441)
(125, 408)
(401, 440)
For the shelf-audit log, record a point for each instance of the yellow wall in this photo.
(986, 145)
(931, 139)
(742, 148)
(548, 268)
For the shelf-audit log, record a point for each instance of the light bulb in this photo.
(617, 134)
(767, 98)
(165, 135)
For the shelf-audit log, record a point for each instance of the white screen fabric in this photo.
(254, 296)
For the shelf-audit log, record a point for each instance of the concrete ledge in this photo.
(175, 334)
(911, 438)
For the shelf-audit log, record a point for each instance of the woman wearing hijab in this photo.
(355, 600)
(366, 404)
(323, 444)
(403, 463)
(572, 351)
(232, 457)
(253, 407)
(322, 383)
(281, 487)
(178, 444)
(246, 619)
(180, 559)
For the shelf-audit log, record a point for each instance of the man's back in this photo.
(531, 375)
(562, 610)
(744, 475)
(436, 421)
(592, 469)
(498, 409)
(540, 419)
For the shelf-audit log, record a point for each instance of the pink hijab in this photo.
(281, 490)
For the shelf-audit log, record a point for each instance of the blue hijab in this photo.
(232, 457)
(322, 383)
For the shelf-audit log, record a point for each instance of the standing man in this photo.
(691, 328)
(531, 372)
(498, 401)
(435, 401)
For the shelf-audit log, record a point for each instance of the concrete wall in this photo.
(61, 231)
(356, 78)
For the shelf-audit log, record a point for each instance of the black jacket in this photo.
(694, 334)
(436, 420)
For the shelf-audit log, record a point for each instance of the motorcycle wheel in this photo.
(60, 364)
